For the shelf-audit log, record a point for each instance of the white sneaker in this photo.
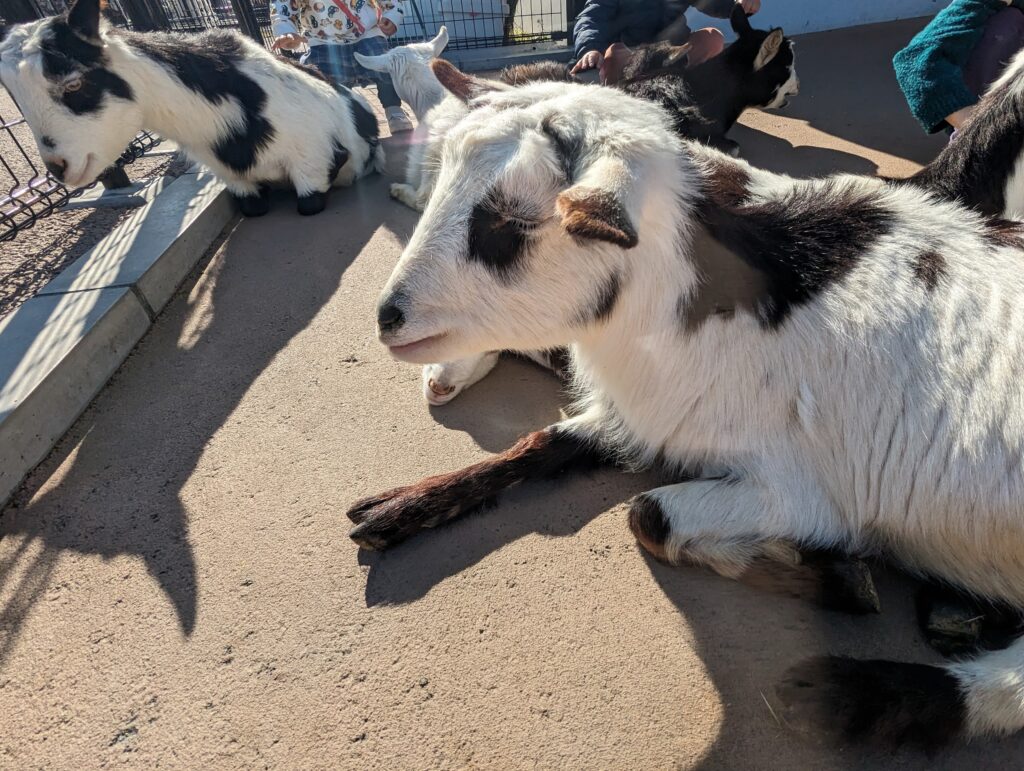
(397, 120)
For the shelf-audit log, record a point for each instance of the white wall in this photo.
(797, 16)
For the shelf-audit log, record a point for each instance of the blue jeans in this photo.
(338, 63)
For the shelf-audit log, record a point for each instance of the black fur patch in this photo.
(65, 53)
(209, 65)
(366, 121)
(603, 303)
(801, 243)
(1000, 232)
(568, 147)
(497, 240)
(929, 267)
(975, 166)
(884, 702)
(649, 524)
(339, 159)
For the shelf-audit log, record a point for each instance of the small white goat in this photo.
(839, 361)
(409, 68)
(86, 89)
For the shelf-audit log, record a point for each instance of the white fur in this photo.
(409, 68)
(881, 415)
(307, 115)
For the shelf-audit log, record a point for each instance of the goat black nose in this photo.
(57, 168)
(390, 317)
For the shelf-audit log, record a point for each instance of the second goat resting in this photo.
(837, 361)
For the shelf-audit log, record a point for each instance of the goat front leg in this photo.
(735, 526)
(389, 518)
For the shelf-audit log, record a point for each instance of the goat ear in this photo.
(376, 63)
(678, 53)
(769, 48)
(84, 19)
(464, 86)
(739, 22)
(440, 42)
(593, 213)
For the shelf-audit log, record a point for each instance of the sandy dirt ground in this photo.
(177, 589)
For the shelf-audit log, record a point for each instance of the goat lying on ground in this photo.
(86, 89)
(837, 361)
(409, 68)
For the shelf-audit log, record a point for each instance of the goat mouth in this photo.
(412, 352)
(85, 176)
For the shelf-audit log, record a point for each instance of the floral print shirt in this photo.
(323, 21)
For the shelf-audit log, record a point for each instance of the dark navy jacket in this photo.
(603, 22)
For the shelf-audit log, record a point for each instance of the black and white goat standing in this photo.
(837, 360)
(86, 89)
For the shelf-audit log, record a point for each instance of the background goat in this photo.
(86, 89)
(837, 361)
(409, 68)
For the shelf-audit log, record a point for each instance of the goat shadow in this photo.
(240, 307)
(848, 89)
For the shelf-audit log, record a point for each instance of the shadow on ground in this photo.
(185, 379)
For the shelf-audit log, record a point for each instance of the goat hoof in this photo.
(847, 586)
(314, 203)
(254, 205)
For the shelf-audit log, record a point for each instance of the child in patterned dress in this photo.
(334, 30)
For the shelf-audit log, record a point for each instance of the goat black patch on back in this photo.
(975, 166)
(603, 303)
(366, 121)
(801, 243)
(929, 267)
(208, 64)
(498, 239)
(64, 53)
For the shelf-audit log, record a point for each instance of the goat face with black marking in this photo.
(521, 244)
(81, 113)
(766, 62)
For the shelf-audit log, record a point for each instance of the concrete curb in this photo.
(59, 348)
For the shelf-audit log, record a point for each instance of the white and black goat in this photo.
(838, 361)
(409, 68)
(86, 89)
(983, 164)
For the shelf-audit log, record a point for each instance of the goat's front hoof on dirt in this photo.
(387, 519)
(314, 203)
(254, 205)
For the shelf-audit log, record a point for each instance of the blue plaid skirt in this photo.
(338, 63)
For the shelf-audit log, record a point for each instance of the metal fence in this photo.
(28, 192)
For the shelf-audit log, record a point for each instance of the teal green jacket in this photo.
(930, 69)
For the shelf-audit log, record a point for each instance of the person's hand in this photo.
(589, 61)
(288, 42)
(387, 27)
(750, 7)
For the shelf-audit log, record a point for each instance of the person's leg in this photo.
(1003, 37)
(706, 44)
(389, 99)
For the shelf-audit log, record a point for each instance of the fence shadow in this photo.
(186, 377)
